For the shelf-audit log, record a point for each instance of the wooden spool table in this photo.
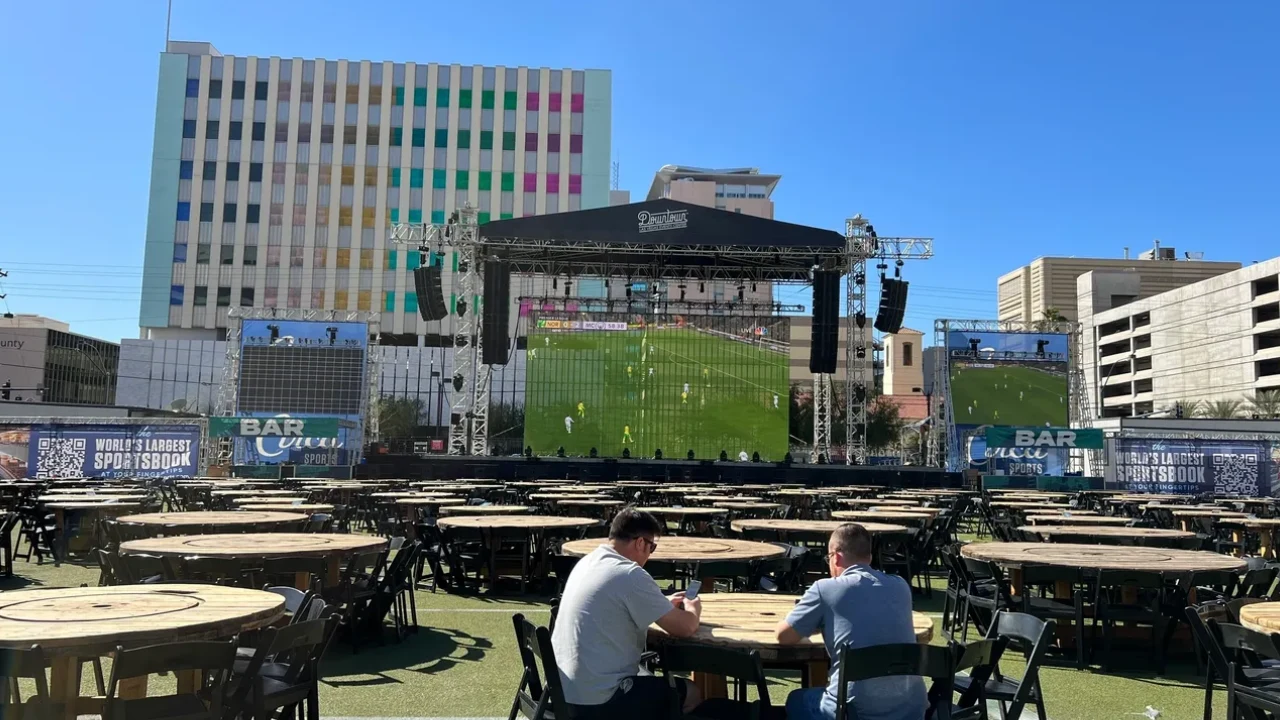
(1186, 518)
(746, 506)
(485, 509)
(1266, 527)
(809, 530)
(533, 528)
(1086, 531)
(555, 496)
(1074, 519)
(682, 549)
(873, 502)
(1263, 617)
(747, 621)
(214, 521)
(289, 507)
(1096, 557)
(261, 546)
(1029, 505)
(889, 516)
(589, 502)
(684, 511)
(73, 624)
(95, 510)
(277, 500)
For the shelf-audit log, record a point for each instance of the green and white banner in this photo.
(252, 427)
(999, 436)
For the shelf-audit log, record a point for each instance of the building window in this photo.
(227, 254)
(175, 295)
(201, 297)
(184, 211)
(188, 128)
(224, 297)
(907, 358)
(206, 212)
(250, 255)
(246, 297)
(180, 252)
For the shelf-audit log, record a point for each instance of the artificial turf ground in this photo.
(1009, 395)
(729, 406)
(464, 663)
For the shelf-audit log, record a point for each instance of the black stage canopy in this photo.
(663, 238)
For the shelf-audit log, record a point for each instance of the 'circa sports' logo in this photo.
(665, 220)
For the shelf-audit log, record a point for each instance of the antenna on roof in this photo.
(617, 166)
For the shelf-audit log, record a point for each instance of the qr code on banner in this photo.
(60, 457)
(1235, 473)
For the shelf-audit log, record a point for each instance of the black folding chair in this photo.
(213, 659)
(538, 696)
(743, 666)
(1032, 637)
(26, 664)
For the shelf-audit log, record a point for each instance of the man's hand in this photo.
(694, 606)
(677, 599)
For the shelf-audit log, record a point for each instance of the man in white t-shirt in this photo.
(608, 603)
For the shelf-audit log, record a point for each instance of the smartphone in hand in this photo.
(691, 592)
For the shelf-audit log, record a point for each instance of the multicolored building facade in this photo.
(274, 180)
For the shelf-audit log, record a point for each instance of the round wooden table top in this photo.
(516, 522)
(1029, 504)
(1101, 557)
(1078, 520)
(255, 545)
(1124, 532)
(1250, 522)
(711, 499)
(290, 507)
(213, 518)
(431, 500)
(872, 502)
(485, 510)
(810, 526)
(1263, 617)
(80, 505)
(86, 498)
(748, 621)
(745, 505)
(247, 493)
(407, 494)
(564, 496)
(808, 492)
(684, 511)
(285, 500)
(1247, 500)
(679, 548)
(590, 502)
(887, 515)
(94, 620)
(1207, 512)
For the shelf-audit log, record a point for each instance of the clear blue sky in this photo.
(1005, 130)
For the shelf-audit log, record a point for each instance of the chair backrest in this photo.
(1142, 579)
(1243, 644)
(25, 664)
(539, 695)
(1046, 574)
(744, 665)
(294, 599)
(300, 646)
(215, 659)
(1257, 583)
(876, 661)
(1233, 607)
(1205, 620)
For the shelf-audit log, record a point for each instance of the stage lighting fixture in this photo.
(628, 292)
(457, 382)
(682, 289)
(462, 307)
(755, 456)
(594, 453)
(787, 459)
(528, 451)
(275, 333)
(753, 287)
(657, 454)
(690, 455)
(741, 290)
(822, 458)
(724, 456)
(555, 283)
(560, 451)
(333, 334)
(702, 287)
(568, 288)
(626, 453)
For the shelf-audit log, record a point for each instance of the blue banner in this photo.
(972, 447)
(1193, 466)
(58, 451)
(299, 451)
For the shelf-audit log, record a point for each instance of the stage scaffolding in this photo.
(644, 261)
(228, 391)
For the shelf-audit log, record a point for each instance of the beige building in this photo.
(1217, 339)
(1050, 282)
(903, 365)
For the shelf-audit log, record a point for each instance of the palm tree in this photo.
(1265, 404)
(884, 424)
(1222, 409)
(398, 418)
(1049, 317)
(1190, 408)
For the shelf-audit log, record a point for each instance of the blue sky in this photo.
(1005, 130)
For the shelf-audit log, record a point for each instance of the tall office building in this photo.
(1050, 282)
(274, 180)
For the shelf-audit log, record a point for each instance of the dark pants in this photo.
(643, 697)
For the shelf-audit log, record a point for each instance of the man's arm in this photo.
(785, 634)
(682, 622)
(803, 619)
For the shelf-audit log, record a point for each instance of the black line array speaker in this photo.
(497, 312)
(825, 336)
(893, 304)
(427, 285)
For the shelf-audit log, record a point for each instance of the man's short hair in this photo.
(631, 523)
(853, 541)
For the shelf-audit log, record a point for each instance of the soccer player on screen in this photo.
(628, 372)
(684, 398)
(568, 424)
(775, 401)
(626, 435)
(582, 409)
(686, 388)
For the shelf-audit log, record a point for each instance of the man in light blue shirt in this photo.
(859, 607)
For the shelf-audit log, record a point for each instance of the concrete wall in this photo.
(899, 377)
(22, 356)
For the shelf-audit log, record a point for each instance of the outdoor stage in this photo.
(452, 467)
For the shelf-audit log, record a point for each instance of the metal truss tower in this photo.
(469, 410)
(863, 244)
(821, 417)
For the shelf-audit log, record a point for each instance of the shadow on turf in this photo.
(430, 651)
